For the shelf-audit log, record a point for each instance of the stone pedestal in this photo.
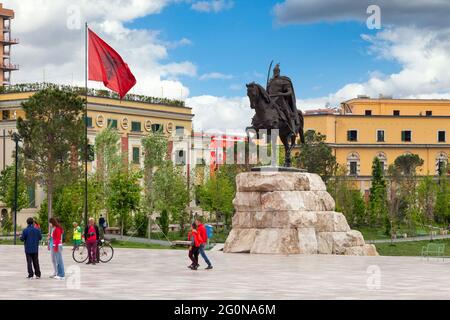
(289, 213)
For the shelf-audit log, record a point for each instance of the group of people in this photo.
(31, 236)
(198, 238)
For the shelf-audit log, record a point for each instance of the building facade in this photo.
(134, 117)
(7, 41)
(364, 128)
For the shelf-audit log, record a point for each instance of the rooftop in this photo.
(99, 93)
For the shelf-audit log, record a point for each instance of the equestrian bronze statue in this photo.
(276, 108)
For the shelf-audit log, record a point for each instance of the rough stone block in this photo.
(276, 241)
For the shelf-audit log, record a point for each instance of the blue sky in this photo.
(240, 43)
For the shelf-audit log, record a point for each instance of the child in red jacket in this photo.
(196, 241)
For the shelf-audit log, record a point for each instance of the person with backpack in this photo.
(196, 240)
(204, 236)
(31, 237)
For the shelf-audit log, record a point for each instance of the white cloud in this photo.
(216, 76)
(423, 56)
(212, 5)
(221, 113)
(49, 47)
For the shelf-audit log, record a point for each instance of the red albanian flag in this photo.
(106, 65)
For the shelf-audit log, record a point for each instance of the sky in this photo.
(205, 51)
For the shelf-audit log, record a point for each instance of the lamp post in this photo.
(16, 138)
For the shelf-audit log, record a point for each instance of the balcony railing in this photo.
(10, 41)
(9, 66)
(34, 87)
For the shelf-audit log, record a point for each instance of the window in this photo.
(368, 112)
(180, 157)
(380, 135)
(353, 161)
(353, 168)
(429, 113)
(112, 123)
(406, 135)
(157, 127)
(441, 136)
(352, 135)
(396, 112)
(135, 126)
(136, 155)
(89, 122)
(6, 114)
(179, 130)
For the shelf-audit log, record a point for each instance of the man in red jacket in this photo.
(204, 236)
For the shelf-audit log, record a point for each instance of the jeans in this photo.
(203, 254)
(33, 262)
(59, 262)
(53, 258)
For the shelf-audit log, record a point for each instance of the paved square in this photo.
(162, 274)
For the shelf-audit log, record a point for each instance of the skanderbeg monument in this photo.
(282, 210)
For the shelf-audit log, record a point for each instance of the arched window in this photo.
(383, 159)
(353, 164)
(441, 162)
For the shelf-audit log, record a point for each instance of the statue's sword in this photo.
(268, 75)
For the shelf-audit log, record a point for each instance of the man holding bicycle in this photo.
(91, 235)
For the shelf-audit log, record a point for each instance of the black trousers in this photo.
(193, 255)
(33, 262)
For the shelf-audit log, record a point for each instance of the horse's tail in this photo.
(301, 126)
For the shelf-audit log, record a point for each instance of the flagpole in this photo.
(86, 129)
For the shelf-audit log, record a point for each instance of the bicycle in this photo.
(105, 252)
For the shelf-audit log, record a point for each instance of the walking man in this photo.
(204, 238)
(91, 236)
(31, 237)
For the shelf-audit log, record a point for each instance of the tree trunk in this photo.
(49, 200)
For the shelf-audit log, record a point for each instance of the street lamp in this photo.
(16, 138)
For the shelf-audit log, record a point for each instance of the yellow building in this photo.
(364, 128)
(133, 117)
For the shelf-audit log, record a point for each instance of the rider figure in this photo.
(280, 89)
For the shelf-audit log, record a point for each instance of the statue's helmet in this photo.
(276, 70)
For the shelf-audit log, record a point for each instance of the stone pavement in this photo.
(162, 274)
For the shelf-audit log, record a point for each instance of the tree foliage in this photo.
(53, 138)
(316, 156)
(378, 213)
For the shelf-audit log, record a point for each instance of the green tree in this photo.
(427, 197)
(378, 212)
(164, 222)
(155, 146)
(7, 188)
(348, 199)
(216, 195)
(108, 158)
(53, 134)
(442, 208)
(408, 163)
(316, 156)
(124, 196)
(171, 193)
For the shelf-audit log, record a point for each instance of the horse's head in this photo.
(256, 92)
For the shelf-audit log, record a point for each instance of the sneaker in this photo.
(38, 277)
(194, 268)
(89, 262)
(58, 278)
(30, 277)
(209, 267)
(52, 276)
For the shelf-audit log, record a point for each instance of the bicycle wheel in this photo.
(80, 253)
(106, 253)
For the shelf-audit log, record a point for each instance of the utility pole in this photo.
(16, 138)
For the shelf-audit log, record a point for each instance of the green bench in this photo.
(433, 250)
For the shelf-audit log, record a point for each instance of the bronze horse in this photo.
(268, 116)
